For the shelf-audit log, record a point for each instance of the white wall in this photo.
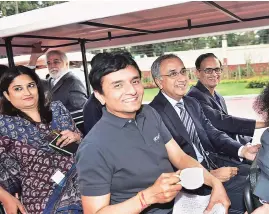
(235, 55)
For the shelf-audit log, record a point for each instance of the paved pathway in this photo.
(242, 106)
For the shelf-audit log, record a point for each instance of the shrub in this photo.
(233, 81)
(146, 80)
(258, 83)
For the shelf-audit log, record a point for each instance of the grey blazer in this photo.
(70, 91)
(262, 186)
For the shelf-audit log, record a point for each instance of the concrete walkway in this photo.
(242, 106)
(241, 96)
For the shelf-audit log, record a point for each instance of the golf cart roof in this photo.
(107, 23)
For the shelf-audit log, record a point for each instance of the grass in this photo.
(236, 89)
(224, 89)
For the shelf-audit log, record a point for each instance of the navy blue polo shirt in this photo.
(124, 156)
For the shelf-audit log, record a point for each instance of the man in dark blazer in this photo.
(171, 77)
(208, 71)
(92, 113)
(64, 85)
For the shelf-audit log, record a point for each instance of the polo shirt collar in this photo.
(118, 121)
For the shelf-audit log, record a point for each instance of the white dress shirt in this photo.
(173, 102)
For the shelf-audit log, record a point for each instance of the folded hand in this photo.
(224, 173)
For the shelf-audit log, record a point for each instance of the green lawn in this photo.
(224, 89)
(236, 89)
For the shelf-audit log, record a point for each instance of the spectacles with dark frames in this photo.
(175, 74)
(211, 70)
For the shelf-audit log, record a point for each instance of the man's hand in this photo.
(264, 209)
(249, 151)
(260, 124)
(224, 173)
(164, 189)
(36, 53)
(218, 195)
(12, 204)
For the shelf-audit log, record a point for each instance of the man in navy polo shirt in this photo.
(124, 162)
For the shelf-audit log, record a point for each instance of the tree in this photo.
(214, 41)
(247, 38)
(232, 39)
(9, 8)
(263, 36)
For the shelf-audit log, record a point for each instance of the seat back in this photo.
(78, 119)
(2, 211)
(252, 201)
(248, 198)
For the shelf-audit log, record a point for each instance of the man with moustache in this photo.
(124, 162)
(208, 72)
(64, 85)
(184, 118)
(61, 85)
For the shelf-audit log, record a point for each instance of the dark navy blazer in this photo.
(211, 138)
(217, 113)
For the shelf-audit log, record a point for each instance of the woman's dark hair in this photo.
(202, 57)
(3, 68)
(106, 63)
(7, 108)
(261, 104)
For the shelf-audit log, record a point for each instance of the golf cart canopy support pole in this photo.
(9, 52)
(85, 65)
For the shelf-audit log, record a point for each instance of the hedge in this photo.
(258, 82)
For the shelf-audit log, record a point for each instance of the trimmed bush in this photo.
(258, 83)
(233, 81)
(254, 82)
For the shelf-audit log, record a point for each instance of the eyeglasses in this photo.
(174, 74)
(211, 70)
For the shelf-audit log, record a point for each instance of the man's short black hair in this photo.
(202, 57)
(106, 63)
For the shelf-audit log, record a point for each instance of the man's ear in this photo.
(6, 96)
(99, 97)
(158, 83)
(197, 74)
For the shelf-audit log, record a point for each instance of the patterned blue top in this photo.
(27, 162)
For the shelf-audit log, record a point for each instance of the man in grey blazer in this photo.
(64, 85)
(261, 188)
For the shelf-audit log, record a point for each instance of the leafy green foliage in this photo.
(258, 83)
(9, 8)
